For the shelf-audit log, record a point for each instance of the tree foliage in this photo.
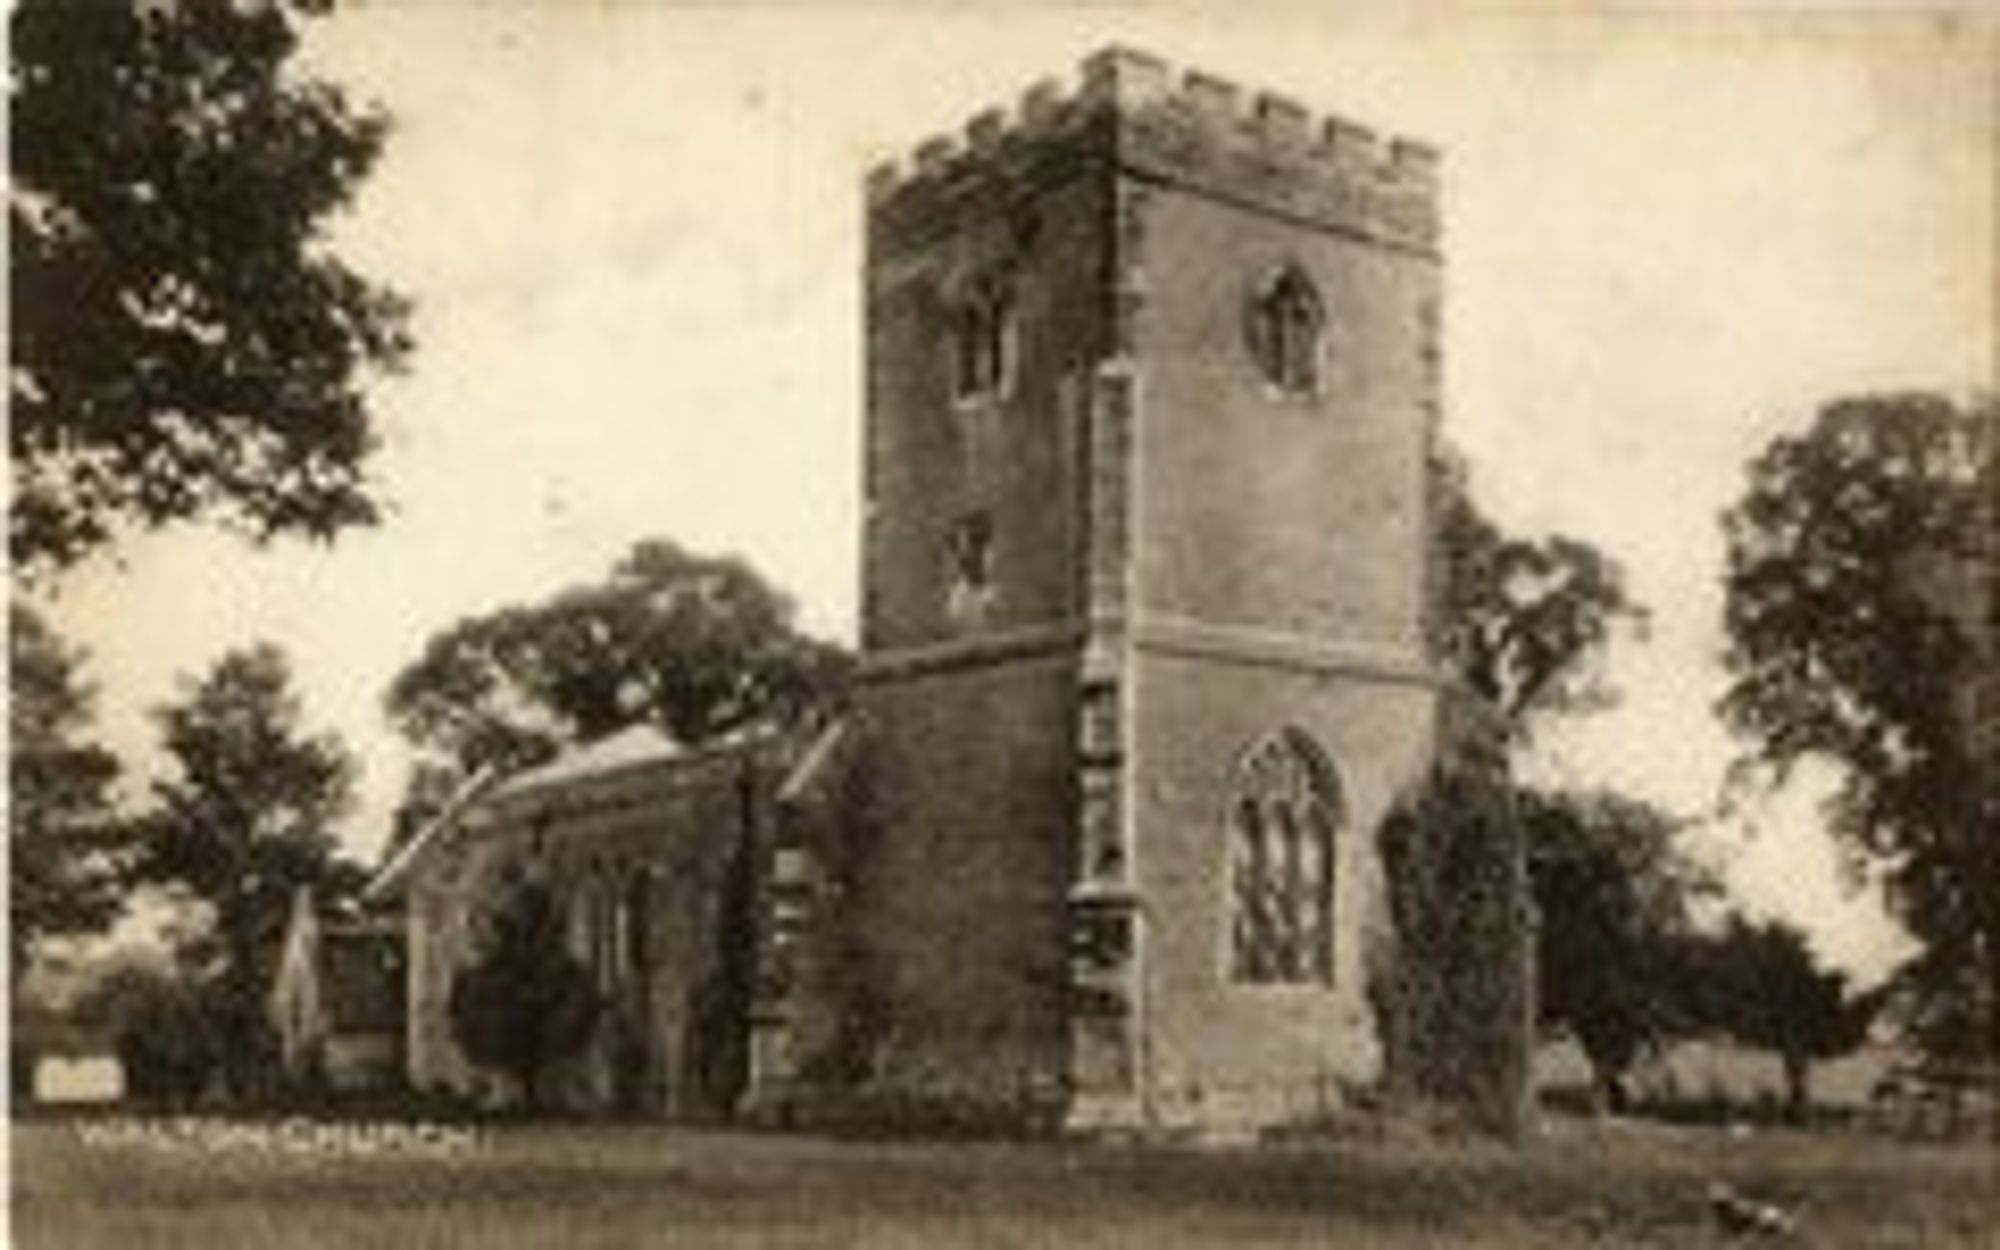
(246, 819)
(1523, 623)
(160, 1024)
(1945, 1005)
(696, 645)
(524, 1002)
(1759, 983)
(1613, 893)
(66, 843)
(1860, 608)
(184, 343)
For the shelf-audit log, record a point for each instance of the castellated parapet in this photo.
(1188, 129)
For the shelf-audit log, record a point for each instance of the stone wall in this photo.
(1216, 1051)
(962, 873)
(954, 925)
(1300, 515)
(1276, 583)
(647, 864)
(933, 457)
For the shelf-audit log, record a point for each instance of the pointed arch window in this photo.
(1287, 324)
(1284, 812)
(982, 341)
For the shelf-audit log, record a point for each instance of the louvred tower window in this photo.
(982, 341)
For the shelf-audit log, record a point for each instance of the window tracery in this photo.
(1287, 324)
(1283, 816)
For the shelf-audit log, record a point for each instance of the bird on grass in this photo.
(1741, 1216)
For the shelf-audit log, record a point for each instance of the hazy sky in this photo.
(633, 238)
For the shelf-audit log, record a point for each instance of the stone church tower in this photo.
(1152, 375)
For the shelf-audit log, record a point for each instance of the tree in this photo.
(1861, 596)
(66, 843)
(696, 645)
(1760, 984)
(1523, 623)
(524, 1002)
(160, 1026)
(247, 819)
(1613, 894)
(1453, 999)
(183, 343)
(1944, 1005)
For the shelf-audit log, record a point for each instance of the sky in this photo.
(632, 236)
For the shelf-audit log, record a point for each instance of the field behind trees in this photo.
(1578, 1184)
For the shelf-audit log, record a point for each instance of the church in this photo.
(1152, 382)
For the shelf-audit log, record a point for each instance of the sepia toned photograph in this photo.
(1020, 625)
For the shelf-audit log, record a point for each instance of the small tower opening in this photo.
(1287, 323)
(982, 347)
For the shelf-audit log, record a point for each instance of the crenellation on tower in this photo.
(985, 131)
(1283, 121)
(883, 180)
(1189, 128)
(934, 155)
(1350, 145)
(1414, 159)
(1216, 99)
(1040, 105)
(1124, 77)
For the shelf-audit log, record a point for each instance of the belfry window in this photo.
(982, 341)
(969, 564)
(1284, 811)
(971, 550)
(1287, 323)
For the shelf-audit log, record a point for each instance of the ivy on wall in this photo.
(1453, 995)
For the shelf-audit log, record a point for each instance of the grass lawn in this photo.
(617, 1185)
